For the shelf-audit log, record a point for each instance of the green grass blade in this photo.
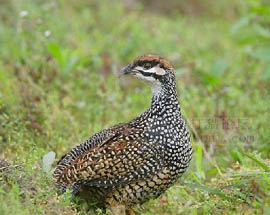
(210, 190)
(260, 163)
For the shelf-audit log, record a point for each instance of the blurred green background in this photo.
(59, 84)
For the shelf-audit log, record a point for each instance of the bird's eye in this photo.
(147, 66)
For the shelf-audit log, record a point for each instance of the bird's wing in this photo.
(98, 138)
(125, 157)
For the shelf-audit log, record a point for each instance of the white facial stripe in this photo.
(147, 78)
(139, 68)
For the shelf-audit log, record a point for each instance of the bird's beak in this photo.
(126, 70)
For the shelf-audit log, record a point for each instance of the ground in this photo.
(59, 84)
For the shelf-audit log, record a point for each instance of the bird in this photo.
(132, 162)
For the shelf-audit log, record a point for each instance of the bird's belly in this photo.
(140, 191)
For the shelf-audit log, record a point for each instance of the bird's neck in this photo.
(164, 106)
(164, 99)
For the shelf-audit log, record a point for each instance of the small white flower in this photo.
(23, 13)
(47, 33)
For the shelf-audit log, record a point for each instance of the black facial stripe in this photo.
(154, 75)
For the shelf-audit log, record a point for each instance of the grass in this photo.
(59, 84)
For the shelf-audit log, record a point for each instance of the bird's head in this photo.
(153, 69)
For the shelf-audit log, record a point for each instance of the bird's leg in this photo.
(116, 210)
(130, 212)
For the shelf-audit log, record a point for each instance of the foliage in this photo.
(59, 85)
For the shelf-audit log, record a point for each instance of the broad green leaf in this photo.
(219, 68)
(266, 71)
(210, 79)
(55, 51)
(214, 76)
(243, 22)
(262, 53)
